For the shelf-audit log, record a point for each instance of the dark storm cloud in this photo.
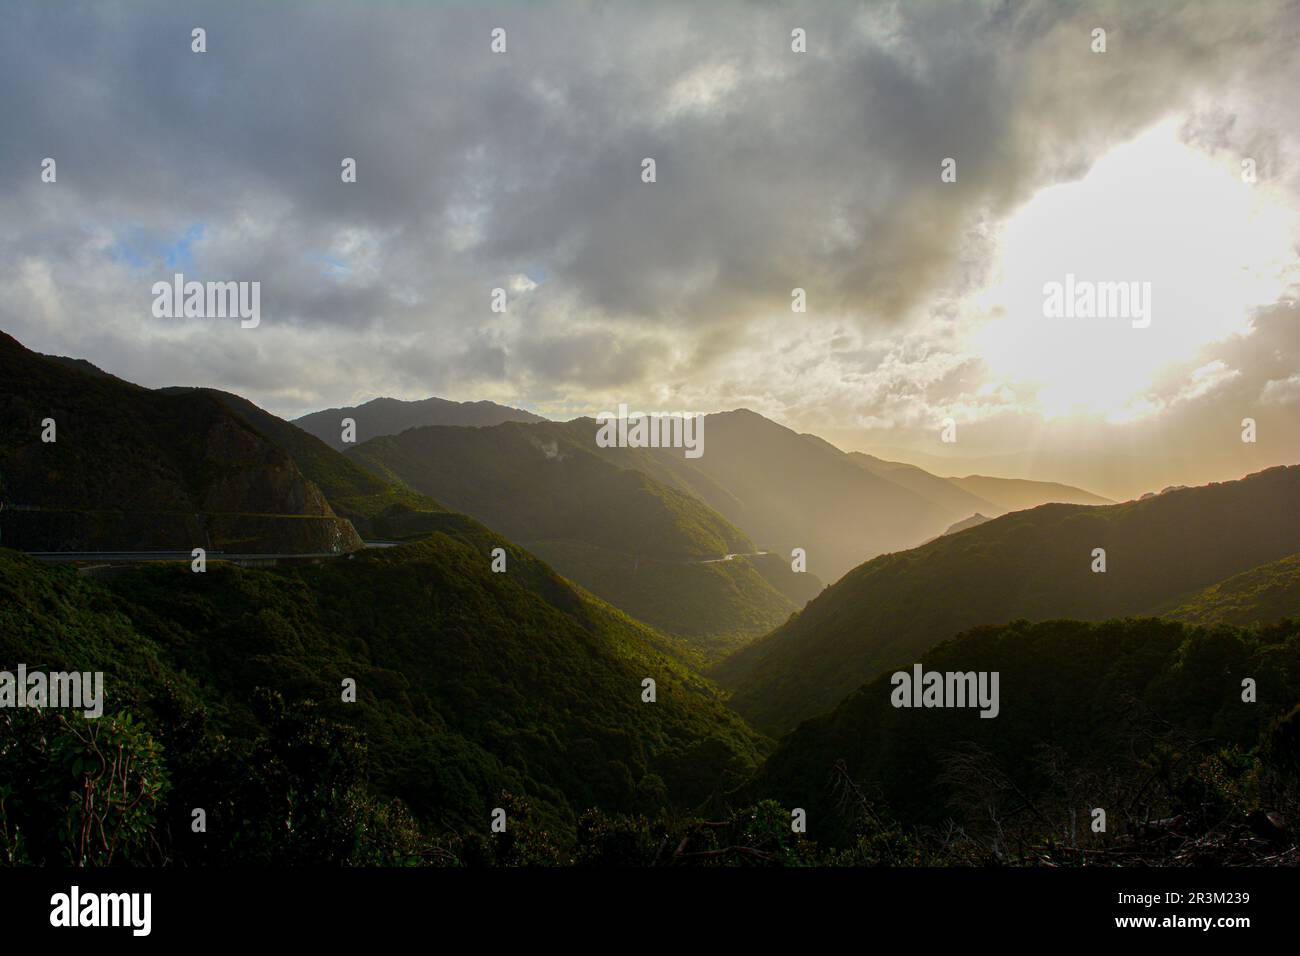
(774, 170)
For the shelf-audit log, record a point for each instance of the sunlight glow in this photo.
(1152, 210)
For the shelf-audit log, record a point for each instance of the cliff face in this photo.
(251, 474)
(376, 506)
(133, 469)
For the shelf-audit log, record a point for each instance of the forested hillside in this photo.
(91, 463)
(377, 507)
(647, 547)
(391, 416)
(1034, 564)
(1144, 718)
(227, 687)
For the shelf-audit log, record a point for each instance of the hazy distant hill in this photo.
(1017, 494)
(978, 493)
(974, 521)
(942, 491)
(788, 490)
(391, 416)
(791, 492)
(1033, 564)
(135, 469)
(632, 540)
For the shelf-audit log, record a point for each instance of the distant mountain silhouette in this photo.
(788, 490)
(974, 521)
(1017, 494)
(941, 491)
(391, 416)
(978, 493)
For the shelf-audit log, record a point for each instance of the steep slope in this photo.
(1017, 494)
(942, 491)
(469, 684)
(1261, 595)
(133, 469)
(1084, 708)
(525, 482)
(714, 606)
(799, 587)
(788, 490)
(628, 538)
(391, 416)
(978, 493)
(1033, 564)
(376, 506)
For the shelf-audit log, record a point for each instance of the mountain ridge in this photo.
(1032, 564)
(392, 416)
(131, 468)
(647, 547)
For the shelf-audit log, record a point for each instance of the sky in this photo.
(774, 170)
